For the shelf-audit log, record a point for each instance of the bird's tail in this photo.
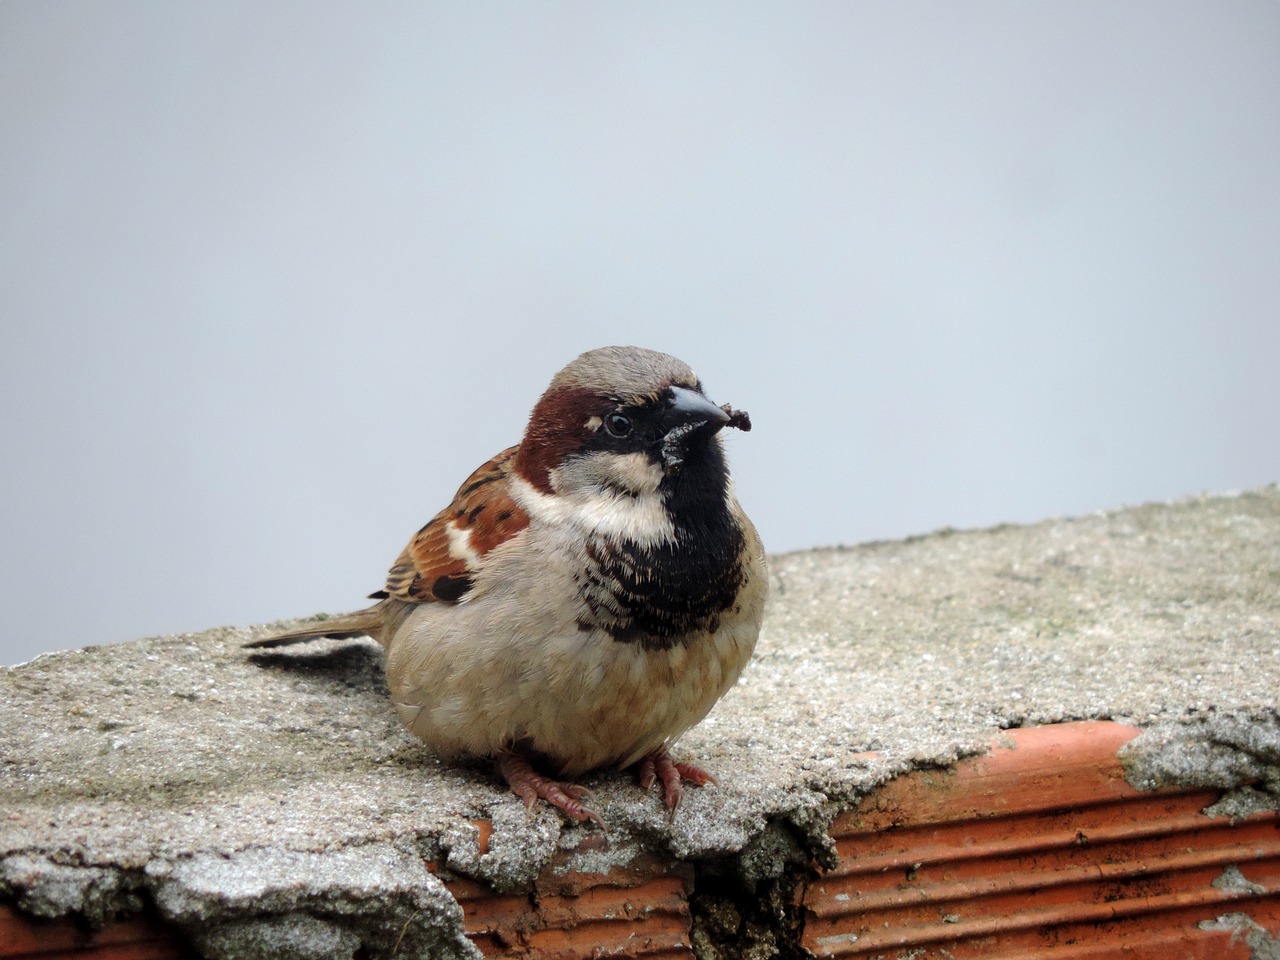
(368, 622)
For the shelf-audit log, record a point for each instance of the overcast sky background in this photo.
(274, 278)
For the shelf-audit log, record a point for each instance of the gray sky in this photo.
(274, 278)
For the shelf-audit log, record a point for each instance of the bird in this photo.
(588, 595)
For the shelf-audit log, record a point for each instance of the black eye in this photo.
(617, 425)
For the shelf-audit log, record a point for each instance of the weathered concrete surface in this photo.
(272, 800)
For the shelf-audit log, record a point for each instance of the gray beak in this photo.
(690, 408)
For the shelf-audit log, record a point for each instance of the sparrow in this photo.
(589, 594)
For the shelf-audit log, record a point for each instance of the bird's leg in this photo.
(658, 766)
(530, 786)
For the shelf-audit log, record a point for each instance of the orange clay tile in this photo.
(138, 938)
(641, 910)
(1041, 849)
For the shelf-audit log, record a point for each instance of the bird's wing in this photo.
(441, 561)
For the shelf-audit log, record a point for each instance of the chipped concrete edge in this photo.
(381, 898)
(1238, 754)
(261, 902)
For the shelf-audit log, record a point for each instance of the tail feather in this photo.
(362, 623)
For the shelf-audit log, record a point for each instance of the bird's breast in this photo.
(660, 595)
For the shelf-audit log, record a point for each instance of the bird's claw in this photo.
(659, 767)
(531, 786)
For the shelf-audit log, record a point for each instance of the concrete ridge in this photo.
(275, 799)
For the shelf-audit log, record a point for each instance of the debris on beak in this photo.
(737, 418)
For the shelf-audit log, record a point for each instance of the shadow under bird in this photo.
(589, 594)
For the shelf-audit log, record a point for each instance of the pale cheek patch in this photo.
(634, 471)
(607, 473)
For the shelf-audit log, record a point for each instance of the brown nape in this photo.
(556, 429)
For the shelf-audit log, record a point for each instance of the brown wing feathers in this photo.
(438, 564)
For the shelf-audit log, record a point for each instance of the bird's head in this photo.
(624, 420)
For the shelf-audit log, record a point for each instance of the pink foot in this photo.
(659, 766)
(531, 787)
